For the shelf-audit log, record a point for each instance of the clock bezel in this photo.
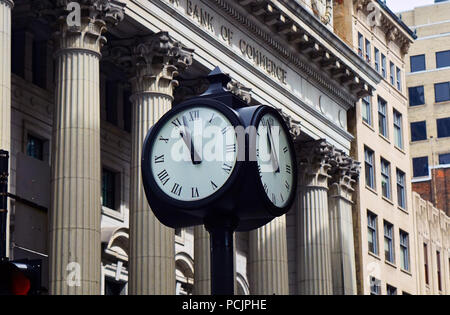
(256, 120)
(148, 178)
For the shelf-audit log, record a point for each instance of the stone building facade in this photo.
(78, 100)
(428, 71)
(382, 209)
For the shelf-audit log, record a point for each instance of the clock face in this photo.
(275, 162)
(194, 154)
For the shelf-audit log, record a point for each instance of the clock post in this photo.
(242, 192)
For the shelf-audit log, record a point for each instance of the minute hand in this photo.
(187, 138)
(273, 153)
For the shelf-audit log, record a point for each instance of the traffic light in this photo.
(20, 277)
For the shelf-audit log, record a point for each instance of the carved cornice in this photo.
(293, 125)
(307, 46)
(9, 3)
(393, 31)
(240, 91)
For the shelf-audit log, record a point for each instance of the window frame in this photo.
(369, 164)
(367, 109)
(382, 118)
(392, 72)
(437, 59)
(386, 176)
(443, 123)
(398, 129)
(372, 229)
(360, 45)
(420, 124)
(368, 52)
(427, 163)
(426, 264)
(384, 66)
(391, 289)
(415, 57)
(441, 100)
(401, 189)
(404, 250)
(399, 79)
(416, 90)
(389, 253)
(441, 158)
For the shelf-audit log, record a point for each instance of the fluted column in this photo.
(152, 254)
(5, 74)
(313, 230)
(344, 172)
(268, 262)
(74, 230)
(202, 261)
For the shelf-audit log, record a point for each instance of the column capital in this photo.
(96, 17)
(314, 163)
(344, 174)
(9, 3)
(157, 60)
(238, 89)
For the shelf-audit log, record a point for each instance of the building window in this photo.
(425, 259)
(368, 51)
(383, 66)
(113, 287)
(420, 167)
(372, 233)
(109, 180)
(443, 59)
(404, 250)
(386, 178)
(392, 67)
(360, 45)
(439, 273)
(375, 286)
(369, 168)
(443, 127)
(442, 92)
(418, 63)
(444, 159)
(418, 131)
(389, 242)
(416, 96)
(398, 129)
(377, 60)
(35, 147)
(399, 79)
(391, 290)
(401, 189)
(367, 109)
(382, 119)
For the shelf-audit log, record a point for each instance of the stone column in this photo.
(344, 171)
(268, 262)
(152, 253)
(74, 224)
(202, 261)
(5, 74)
(313, 230)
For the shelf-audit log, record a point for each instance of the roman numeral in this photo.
(159, 159)
(214, 186)
(225, 130)
(288, 169)
(194, 115)
(288, 187)
(282, 199)
(195, 193)
(259, 171)
(227, 168)
(274, 199)
(266, 189)
(176, 190)
(164, 177)
(285, 150)
(210, 121)
(176, 122)
(231, 148)
(264, 122)
(164, 139)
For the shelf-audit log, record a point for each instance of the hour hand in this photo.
(187, 138)
(273, 153)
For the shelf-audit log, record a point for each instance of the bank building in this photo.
(77, 101)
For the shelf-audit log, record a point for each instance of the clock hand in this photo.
(273, 154)
(187, 138)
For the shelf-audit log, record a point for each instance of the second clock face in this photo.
(194, 154)
(274, 158)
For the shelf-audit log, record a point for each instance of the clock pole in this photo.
(221, 230)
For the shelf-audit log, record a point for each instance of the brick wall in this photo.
(437, 190)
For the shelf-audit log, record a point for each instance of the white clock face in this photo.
(274, 159)
(194, 154)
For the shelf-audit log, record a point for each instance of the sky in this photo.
(403, 5)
